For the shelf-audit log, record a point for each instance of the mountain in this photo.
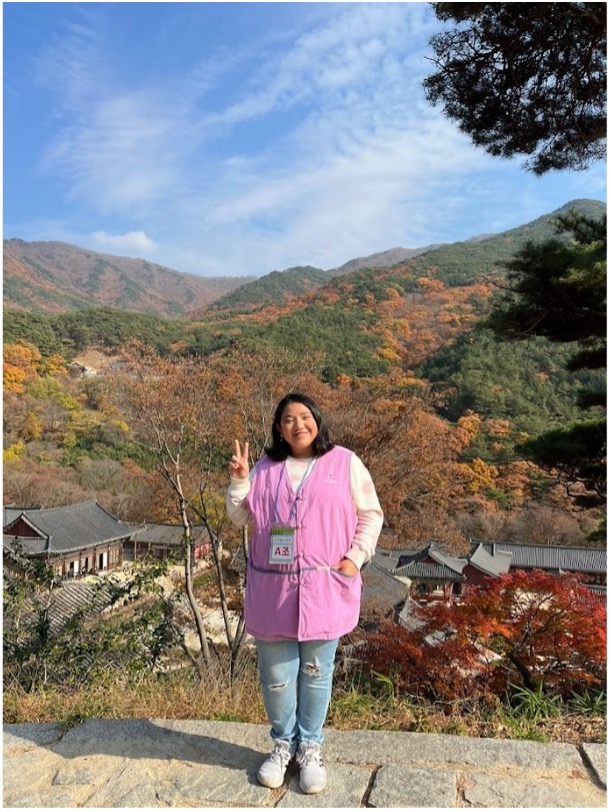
(274, 288)
(57, 277)
(455, 264)
(280, 287)
(368, 320)
(382, 259)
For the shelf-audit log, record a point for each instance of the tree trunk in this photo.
(199, 621)
(529, 680)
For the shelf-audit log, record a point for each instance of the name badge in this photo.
(281, 546)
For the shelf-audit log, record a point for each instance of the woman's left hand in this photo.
(346, 567)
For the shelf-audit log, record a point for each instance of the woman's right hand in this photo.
(238, 464)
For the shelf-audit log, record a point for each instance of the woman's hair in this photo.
(280, 449)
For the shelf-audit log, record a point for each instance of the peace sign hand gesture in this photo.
(238, 465)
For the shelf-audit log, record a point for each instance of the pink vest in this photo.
(305, 600)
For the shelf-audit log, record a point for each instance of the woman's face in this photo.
(298, 428)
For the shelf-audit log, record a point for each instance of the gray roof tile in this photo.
(431, 562)
(424, 569)
(74, 527)
(380, 586)
(483, 560)
(541, 556)
(170, 535)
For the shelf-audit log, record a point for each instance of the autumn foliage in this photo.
(523, 629)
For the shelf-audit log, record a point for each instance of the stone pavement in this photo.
(149, 763)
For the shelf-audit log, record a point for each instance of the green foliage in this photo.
(520, 728)
(558, 291)
(342, 334)
(527, 384)
(44, 388)
(112, 328)
(575, 451)
(525, 79)
(33, 327)
(74, 332)
(43, 647)
(273, 289)
(525, 710)
(590, 703)
(536, 704)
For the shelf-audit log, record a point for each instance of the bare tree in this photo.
(171, 405)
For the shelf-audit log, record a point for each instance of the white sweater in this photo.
(364, 496)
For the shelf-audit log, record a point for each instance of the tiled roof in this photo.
(452, 563)
(31, 545)
(386, 559)
(407, 618)
(10, 513)
(379, 585)
(494, 558)
(73, 527)
(169, 535)
(496, 564)
(540, 556)
(423, 569)
(442, 566)
(70, 598)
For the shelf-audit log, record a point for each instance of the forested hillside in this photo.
(273, 288)
(396, 353)
(58, 277)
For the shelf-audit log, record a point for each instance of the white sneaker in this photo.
(313, 777)
(271, 772)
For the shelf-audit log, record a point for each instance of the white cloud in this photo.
(304, 146)
(123, 153)
(134, 243)
(135, 150)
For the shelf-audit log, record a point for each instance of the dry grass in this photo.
(180, 697)
(174, 698)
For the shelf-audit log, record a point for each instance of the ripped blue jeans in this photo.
(296, 680)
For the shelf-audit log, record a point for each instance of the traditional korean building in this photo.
(383, 593)
(484, 562)
(435, 574)
(431, 573)
(588, 561)
(74, 539)
(160, 541)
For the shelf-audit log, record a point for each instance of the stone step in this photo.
(173, 763)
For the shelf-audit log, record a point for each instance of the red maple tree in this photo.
(532, 629)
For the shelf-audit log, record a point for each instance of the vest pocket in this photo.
(271, 607)
(330, 603)
(343, 574)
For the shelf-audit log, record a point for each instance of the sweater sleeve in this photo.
(369, 512)
(235, 498)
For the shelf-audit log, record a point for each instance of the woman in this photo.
(315, 521)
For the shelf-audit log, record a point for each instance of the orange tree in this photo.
(410, 452)
(173, 413)
(523, 629)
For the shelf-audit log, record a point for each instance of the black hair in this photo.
(280, 449)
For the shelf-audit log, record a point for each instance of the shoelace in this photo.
(279, 755)
(311, 755)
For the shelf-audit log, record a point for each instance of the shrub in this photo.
(521, 630)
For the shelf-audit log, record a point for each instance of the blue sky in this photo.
(242, 138)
